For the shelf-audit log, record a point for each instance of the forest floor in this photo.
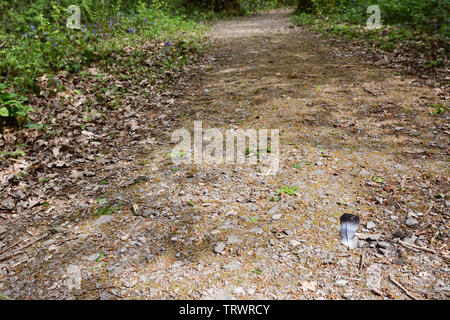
(354, 138)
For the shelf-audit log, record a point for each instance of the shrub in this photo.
(12, 109)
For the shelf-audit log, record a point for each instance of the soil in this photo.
(354, 138)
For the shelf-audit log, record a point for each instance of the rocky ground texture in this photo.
(354, 138)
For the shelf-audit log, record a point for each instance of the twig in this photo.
(409, 245)
(378, 292)
(368, 91)
(361, 261)
(20, 250)
(1, 45)
(398, 206)
(10, 247)
(391, 277)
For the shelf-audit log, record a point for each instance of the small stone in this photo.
(294, 243)
(348, 295)
(219, 247)
(239, 291)
(233, 265)
(384, 245)
(287, 232)
(92, 257)
(276, 217)
(234, 239)
(368, 236)
(273, 210)
(257, 230)
(364, 173)
(106, 296)
(371, 225)
(412, 223)
(341, 283)
(103, 219)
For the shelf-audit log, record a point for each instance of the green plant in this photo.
(287, 190)
(438, 109)
(12, 108)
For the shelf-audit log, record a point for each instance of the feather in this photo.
(349, 225)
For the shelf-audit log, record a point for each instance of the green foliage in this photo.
(12, 108)
(287, 190)
(34, 40)
(415, 24)
(438, 109)
(425, 15)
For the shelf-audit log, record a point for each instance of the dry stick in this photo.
(361, 261)
(391, 277)
(20, 250)
(1, 45)
(378, 292)
(429, 209)
(11, 246)
(409, 245)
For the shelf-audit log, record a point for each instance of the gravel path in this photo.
(354, 138)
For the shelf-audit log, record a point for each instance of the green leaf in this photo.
(377, 179)
(4, 112)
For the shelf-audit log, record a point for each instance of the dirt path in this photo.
(353, 138)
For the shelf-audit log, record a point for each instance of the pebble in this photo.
(92, 257)
(340, 283)
(234, 239)
(348, 295)
(294, 243)
(276, 217)
(239, 291)
(257, 230)
(219, 247)
(106, 296)
(103, 219)
(412, 223)
(233, 265)
(273, 210)
(371, 225)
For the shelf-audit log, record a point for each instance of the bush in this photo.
(12, 109)
(426, 15)
(41, 43)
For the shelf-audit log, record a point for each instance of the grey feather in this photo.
(349, 225)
